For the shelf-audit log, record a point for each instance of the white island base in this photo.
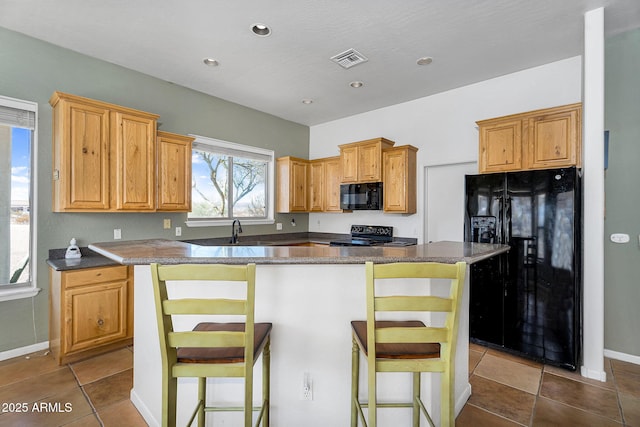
(310, 306)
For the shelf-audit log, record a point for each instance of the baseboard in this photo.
(593, 374)
(17, 352)
(142, 408)
(462, 399)
(622, 356)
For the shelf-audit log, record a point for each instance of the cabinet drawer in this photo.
(95, 275)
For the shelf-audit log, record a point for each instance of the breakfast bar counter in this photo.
(176, 252)
(310, 294)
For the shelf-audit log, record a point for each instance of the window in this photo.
(230, 181)
(17, 213)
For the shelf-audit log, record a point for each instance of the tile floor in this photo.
(511, 391)
(507, 391)
(35, 391)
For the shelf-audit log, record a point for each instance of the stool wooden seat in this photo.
(211, 349)
(407, 345)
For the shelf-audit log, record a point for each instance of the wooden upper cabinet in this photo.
(291, 181)
(81, 163)
(540, 139)
(308, 185)
(501, 146)
(399, 191)
(174, 172)
(349, 159)
(103, 156)
(316, 188)
(134, 153)
(554, 138)
(362, 161)
(332, 179)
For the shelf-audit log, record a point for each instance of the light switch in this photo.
(620, 238)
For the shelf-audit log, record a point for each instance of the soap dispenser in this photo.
(73, 251)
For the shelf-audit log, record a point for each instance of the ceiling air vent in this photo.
(349, 58)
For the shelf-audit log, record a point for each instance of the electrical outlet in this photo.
(278, 226)
(166, 224)
(178, 231)
(117, 234)
(307, 387)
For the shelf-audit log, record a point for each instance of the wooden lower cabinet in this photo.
(91, 311)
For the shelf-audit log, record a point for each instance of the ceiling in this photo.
(469, 41)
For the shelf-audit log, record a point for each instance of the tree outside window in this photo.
(229, 183)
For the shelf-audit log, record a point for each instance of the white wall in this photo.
(443, 127)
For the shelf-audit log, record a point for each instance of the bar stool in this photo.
(407, 345)
(211, 349)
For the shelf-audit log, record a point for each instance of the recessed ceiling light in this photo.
(260, 30)
(356, 84)
(307, 101)
(211, 62)
(425, 60)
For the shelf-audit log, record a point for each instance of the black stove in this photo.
(366, 235)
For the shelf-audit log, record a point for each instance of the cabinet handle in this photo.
(100, 322)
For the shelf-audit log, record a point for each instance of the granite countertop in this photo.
(89, 259)
(176, 252)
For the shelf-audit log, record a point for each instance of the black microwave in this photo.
(361, 196)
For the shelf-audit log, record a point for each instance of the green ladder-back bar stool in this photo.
(407, 345)
(211, 349)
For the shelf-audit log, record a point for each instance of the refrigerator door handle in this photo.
(507, 220)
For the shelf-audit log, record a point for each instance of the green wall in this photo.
(622, 192)
(32, 70)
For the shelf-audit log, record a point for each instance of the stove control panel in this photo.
(372, 231)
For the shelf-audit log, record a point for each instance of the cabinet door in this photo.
(316, 185)
(95, 315)
(134, 140)
(298, 186)
(291, 195)
(369, 168)
(332, 185)
(81, 157)
(349, 159)
(174, 172)
(399, 191)
(501, 146)
(554, 139)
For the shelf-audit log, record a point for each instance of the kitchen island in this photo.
(310, 294)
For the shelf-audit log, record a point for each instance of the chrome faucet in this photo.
(234, 232)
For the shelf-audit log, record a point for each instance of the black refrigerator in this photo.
(527, 301)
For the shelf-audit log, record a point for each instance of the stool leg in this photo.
(372, 389)
(416, 397)
(202, 400)
(355, 377)
(169, 400)
(447, 417)
(248, 395)
(266, 382)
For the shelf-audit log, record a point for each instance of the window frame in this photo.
(230, 148)
(27, 290)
